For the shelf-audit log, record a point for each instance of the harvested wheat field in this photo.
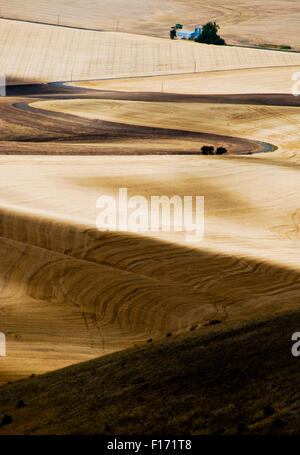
(243, 22)
(89, 112)
(202, 390)
(116, 281)
(230, 82)
(35, 53)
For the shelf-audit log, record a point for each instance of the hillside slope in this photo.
(243, 380)
(35, 53)
(70, 292)
(242, 21)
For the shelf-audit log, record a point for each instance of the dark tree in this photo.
(207, 150)
(210, 35)
(221, 151)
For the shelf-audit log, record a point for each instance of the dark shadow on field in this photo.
(232, 286)
(240, 381)
(64, 92)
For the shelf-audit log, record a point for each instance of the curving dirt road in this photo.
(38, 130)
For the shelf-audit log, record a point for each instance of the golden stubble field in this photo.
(34, 53)
(242, 21)
(271, 80)
(77, 293)
(69, 292)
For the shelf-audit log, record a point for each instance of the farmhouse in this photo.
(186, 34)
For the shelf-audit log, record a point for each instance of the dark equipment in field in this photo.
(173, 33)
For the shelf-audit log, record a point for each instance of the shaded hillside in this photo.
(242, 380)
(70, 293)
